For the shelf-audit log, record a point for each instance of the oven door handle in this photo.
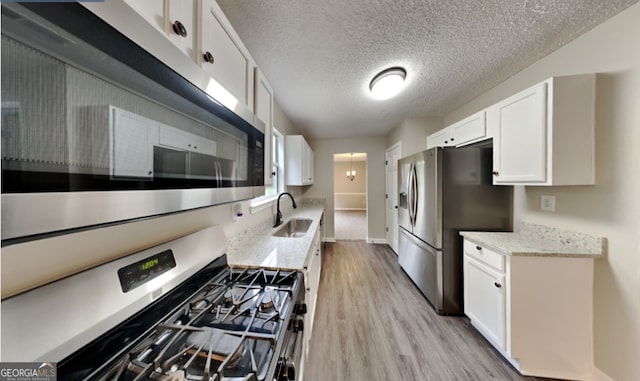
(293, 350)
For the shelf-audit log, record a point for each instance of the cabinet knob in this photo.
(497, 284)
(479, 248)
(179, 29)
(208, 57)
(452, 139)
(446, 142)
(495, 173)
(150, 173)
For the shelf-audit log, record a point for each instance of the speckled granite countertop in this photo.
(540, 240)
(256, 247)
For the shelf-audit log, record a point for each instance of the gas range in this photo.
(221, 323)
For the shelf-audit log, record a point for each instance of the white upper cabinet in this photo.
(131, 141)
(223, 55)
(520, 121)
(214, 59)
(439, 139)
(182, 20)
(263, 105)
(151, 10)
(299, 161)
(466, 131)
(544, 135)
(176, 19)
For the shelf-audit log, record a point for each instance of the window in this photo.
(276, 167)
(277, 185)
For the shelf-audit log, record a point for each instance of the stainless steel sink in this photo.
(295, 227)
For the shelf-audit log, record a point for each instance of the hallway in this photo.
(350, 225)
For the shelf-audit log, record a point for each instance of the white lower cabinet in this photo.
(312, 282)
(537, 311)
(484, 300)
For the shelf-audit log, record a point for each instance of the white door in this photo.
(392, 156)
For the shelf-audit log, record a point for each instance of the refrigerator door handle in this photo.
(411, 195)
(415, 193)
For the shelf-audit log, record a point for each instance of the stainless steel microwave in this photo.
(95, 130)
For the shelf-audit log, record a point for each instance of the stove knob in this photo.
(285, 371)
(301, 309)
(298, 325)
(291, 372)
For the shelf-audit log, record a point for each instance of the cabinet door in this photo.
(229, 63)
(151, 10)
(438, 139)
(312, 282)
(294, 154)
(299, 157)
(484, 300)
(468, 130)
(132, 138)
(520, 150)
(264, 111)
(182, 13)
(307, 165)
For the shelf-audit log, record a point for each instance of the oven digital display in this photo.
(139, 273)
(149, 264)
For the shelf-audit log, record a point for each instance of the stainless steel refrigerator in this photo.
(441, 192)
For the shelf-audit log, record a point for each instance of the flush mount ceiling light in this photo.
(388, 83)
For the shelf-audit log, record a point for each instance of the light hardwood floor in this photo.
(373, 324)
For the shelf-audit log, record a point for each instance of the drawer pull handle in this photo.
(478, 248)
(497, 284)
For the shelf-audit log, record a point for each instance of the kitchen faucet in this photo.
(278, 213)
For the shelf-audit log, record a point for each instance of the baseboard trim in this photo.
(329, 239)
(351, 209)
(381, 241)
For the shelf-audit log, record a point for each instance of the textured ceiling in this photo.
(320, 55)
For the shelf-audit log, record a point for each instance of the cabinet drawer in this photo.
(484, 255)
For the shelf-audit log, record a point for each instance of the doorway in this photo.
(350, 196)
(392, 155)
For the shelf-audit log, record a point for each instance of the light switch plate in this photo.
(548, 203)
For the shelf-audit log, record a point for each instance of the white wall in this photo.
(412, 133)
(350, 194)
(323, 150)
(611, 208)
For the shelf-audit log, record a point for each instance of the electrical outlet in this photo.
(236, 210)
(548, 203)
